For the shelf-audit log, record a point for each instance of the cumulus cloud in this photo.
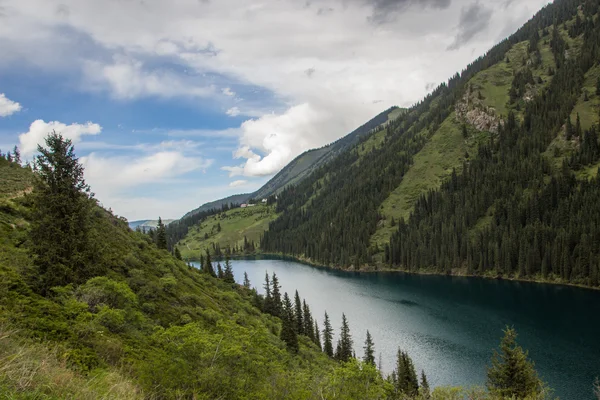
(127, 78)
(237, 183)
(7, 106)
(228, 92)
(233, 111)
(39, 129)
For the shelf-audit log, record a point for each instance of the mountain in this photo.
(148, 223)
(495, 173)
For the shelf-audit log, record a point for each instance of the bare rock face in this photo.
(471, 110)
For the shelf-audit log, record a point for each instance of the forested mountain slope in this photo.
(492, 173)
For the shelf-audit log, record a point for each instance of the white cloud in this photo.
(233, 112)
(238, 183)
(228, 92)
(7, 106)
(128, 79)
(322, 64)
(39, 129)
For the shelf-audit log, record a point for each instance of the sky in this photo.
(171, 104)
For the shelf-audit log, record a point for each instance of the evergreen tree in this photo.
(298, 314)
(246, 280)
(307, 320)
(369, 348)
(511, 373)
(406, 377)
(268, 303)
(16, 155)
(178, 253)
(344, 347)
(228, 272)
(327, 336)
(288, 334)
(276, 292)
(425, 390)
(61, 215)
(208, 267)
(317, 336)
(220, 274)
(161, 235)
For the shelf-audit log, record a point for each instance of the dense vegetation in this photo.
(119, 317)
(520, 203)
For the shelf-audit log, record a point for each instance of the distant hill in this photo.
(148, 223)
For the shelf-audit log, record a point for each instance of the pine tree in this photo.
(511, 373)
(344, 347)
(228, 272)
(219, 271)
(161, 235)
(307, 320)
(288, 334)
(327, 336)
(407, 382)
(268, 303)
(246, 280)
(298, 314)
(425, 390)
(317, 336)
(178, 253)
(60, 218)
(208, 267)
(276, 292)
(16, 155)
(369, 348)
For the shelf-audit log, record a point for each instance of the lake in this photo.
(450, 325)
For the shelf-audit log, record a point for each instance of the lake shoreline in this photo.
(458, 272)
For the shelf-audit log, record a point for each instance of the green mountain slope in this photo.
(464, 202)
(148, 327)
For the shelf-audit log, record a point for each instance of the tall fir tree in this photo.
(228, 271)
(425, 390)
(307, 321)
(511, 373)
(208, 267)
(268, 303)
(344, 346)
(61, 216)
(298, 314)
(161, 235)
(369, 349)
(246, 280)
(288, 333)
(406, 376)
(219, 271)
(276, 292)
(327, 336)
(317, 335)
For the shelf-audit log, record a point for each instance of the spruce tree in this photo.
(298, 314)
(246, 280)
(307, 320)
(219, 271)
(317, 335)
(511, 373)
(16, 155)
(344, 348)
(276, 291)
(161, 235)
(407, 382)
(288, 333)
(425, 390)
(61, 215)
(208, 267)
(268, 303)
(327, 336)
(369, 348)
(177, 253)
(228, 271)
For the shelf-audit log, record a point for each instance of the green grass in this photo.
(395, 113)
(444, 151)
(588, 110)
(236, 224)
(374, 142)
(15, 180)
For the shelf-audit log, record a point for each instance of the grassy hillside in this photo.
(152, 327)
(227, 229)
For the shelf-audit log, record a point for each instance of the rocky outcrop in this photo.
(471, 110)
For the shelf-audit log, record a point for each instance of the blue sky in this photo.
(173, 104)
